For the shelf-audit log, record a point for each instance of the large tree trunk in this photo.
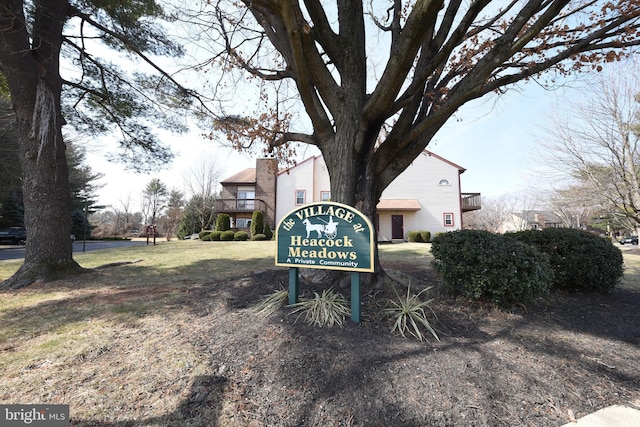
(45, 185)
(35, 85)
(354, 181)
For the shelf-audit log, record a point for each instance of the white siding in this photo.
(321, 179)
(420, 181)
(311, 176)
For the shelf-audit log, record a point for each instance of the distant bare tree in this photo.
(104, 222)
(126, 214)
(507, 212)
(117, 226)
(202, 180)
(173, 214)
(575, 205)
(495, 212)
(595, 143)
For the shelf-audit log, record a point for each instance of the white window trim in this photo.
(444, 219)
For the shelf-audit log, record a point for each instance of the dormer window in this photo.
(444, 181)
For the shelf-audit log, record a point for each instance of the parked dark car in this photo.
(13, 235)
(630, 239)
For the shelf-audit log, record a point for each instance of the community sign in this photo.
(325, 235)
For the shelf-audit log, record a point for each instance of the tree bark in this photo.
(32, 72)
(349, 171)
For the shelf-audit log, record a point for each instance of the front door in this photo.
(397, 227)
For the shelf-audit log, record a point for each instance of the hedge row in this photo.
(515, 268)
(228, 235)
(259, 229)
(419, 236)
(581, 261)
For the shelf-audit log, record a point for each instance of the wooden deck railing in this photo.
(239, 205)
(471, 202)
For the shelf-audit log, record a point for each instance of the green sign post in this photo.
(330, 236)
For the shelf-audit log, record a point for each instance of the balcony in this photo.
(239, 205)
(470, 201)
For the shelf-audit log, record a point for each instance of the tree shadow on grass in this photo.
(124, 294)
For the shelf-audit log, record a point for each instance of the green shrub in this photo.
(223, 222)
(486, 266)
(227, 235)
(258, 237)
(215, 235)
(257, 223)
(267, 231)
(240, 236)
(206, 237)
(426, 236)
(203, 234)
(414, 236)
(581, 261)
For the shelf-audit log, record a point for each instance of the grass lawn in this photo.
(171, 340)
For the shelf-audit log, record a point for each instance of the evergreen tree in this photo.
(98, 97)
(257, 223)
(174, 213)
(82, 179)
(155, 199)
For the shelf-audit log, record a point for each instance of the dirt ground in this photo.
(561, 358)
(557, 359)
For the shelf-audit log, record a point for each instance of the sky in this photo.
(494, 139)
(119, 184)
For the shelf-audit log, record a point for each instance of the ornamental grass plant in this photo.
(327, 309)
(409, 314)
(271, 303)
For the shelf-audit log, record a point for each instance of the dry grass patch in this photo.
(122, 334)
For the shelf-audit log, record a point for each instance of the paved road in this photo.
(17, 252)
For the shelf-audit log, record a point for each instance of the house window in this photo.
(448, 219)
(300, 197)
(444, 182)
(246, 200)
(325, 196)
(243, 223)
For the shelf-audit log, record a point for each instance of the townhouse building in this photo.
(426, 196)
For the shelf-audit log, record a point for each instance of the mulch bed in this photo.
(542, 365)
(557, 359)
